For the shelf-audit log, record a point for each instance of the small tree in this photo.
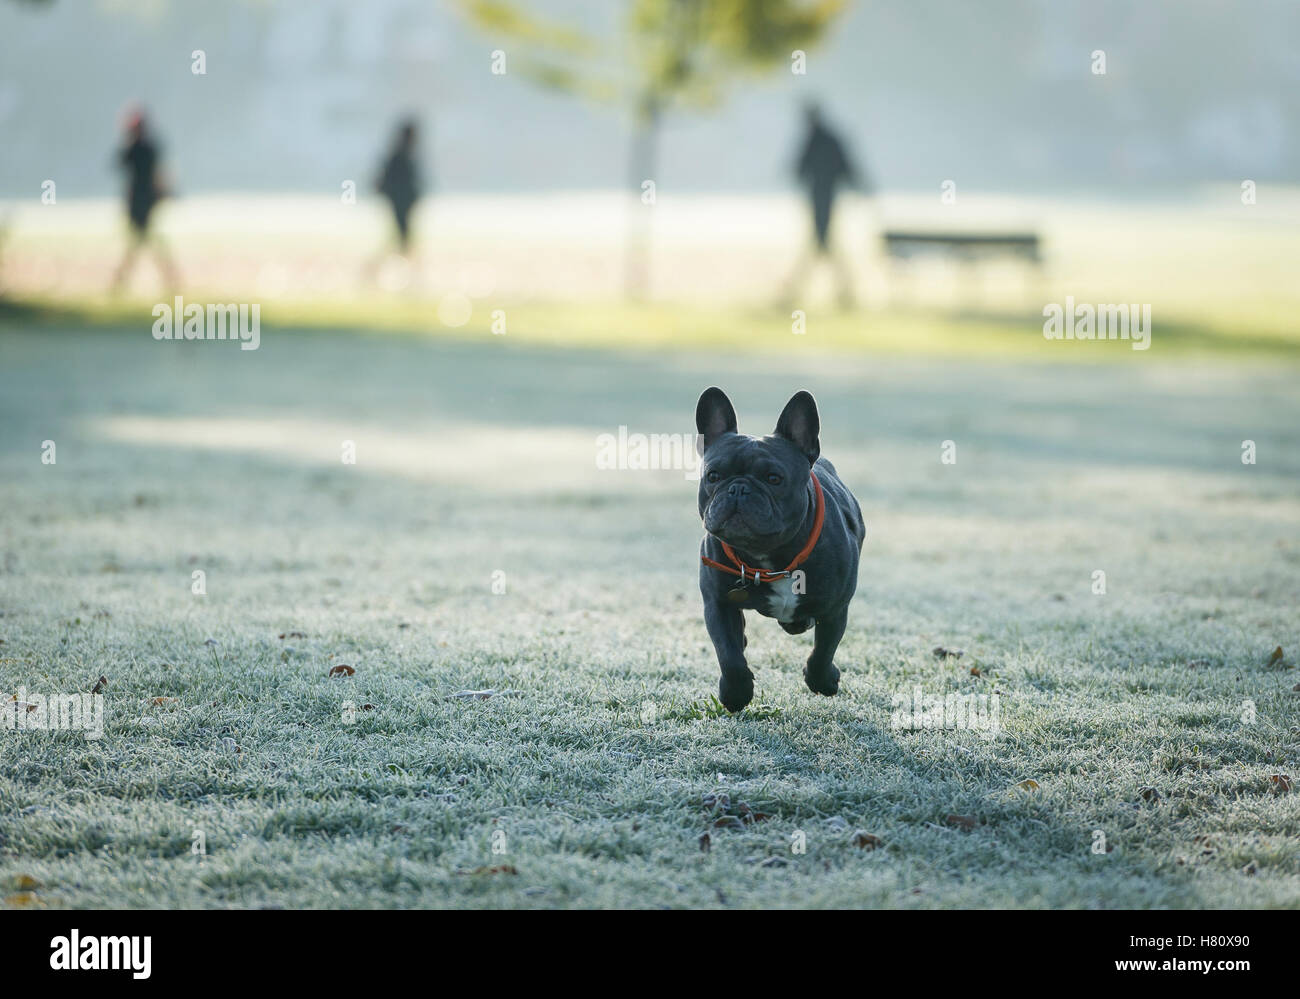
(678, 54)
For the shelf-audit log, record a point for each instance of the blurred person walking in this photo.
(140, 158)
(399, 182)
(823, 167)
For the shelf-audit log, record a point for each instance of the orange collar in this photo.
(770, 575)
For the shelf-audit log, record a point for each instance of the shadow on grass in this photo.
(688, 328)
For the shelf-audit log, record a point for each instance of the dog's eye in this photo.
(714, 476)
(774, 479)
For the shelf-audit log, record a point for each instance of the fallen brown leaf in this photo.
(100, 684)
(866, 841)
(941, 653)
(1276, 657)
(159, 702)
(1281, 783)
(342, 669)
(1029, 784)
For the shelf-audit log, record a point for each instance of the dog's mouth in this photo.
(732, 523)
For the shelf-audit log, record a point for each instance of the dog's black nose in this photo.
(738, 489)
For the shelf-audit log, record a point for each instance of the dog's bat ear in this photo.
(800, 425)
(714, 415)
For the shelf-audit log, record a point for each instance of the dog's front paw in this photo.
(735, 690)
(825, 681)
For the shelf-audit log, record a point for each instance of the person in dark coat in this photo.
(823, 168)
(399, 182)
(139, 158)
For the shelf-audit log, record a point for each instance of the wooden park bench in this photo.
(966, 247)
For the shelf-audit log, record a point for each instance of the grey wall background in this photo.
(997, 94)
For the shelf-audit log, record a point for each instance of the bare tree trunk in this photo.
(642, 162)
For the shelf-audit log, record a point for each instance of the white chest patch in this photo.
(782, 601)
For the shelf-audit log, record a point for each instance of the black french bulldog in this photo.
(784, 537)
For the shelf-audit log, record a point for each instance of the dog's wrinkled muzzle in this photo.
(740, 515)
